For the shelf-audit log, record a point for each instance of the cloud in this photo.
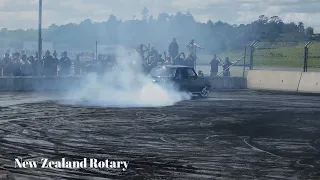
(23, 13)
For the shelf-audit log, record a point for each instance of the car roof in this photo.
(173, 66)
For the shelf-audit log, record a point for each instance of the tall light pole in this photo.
(40, 36)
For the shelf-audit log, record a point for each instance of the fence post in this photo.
(305, 59)
(251, 57)
(244, 61)
(251, 53)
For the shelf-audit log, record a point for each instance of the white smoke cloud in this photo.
(126, 86)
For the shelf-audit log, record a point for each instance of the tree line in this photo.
(159, 31)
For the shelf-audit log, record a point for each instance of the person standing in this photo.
(6, 65)
(17, 62)
(26, 67)
(226, 67)
(192, 48)
(173, 49)
(78, 66)
(65, 64)
(214, 64)
(33, 62)
(50, 65)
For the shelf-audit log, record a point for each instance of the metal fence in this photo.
(297, 56)
(289, 56)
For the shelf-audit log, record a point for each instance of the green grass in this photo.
(280, 56)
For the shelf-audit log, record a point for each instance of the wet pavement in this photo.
(231, 135)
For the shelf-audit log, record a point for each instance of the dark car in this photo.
(184, 77)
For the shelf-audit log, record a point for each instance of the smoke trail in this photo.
(126, 86)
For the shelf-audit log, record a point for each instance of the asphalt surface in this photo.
(231, 135)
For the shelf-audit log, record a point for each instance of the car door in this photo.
(182, 80)
(195, 82)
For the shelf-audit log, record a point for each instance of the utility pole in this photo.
(39, 37)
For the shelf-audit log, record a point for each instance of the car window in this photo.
(183, 73)
(178, 73)
(163, 72)
(191, 73)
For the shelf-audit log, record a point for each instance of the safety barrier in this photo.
(310, 82)
(221, 83)
(302, 82)
(60, 83)
(16, 84)
(273, 80)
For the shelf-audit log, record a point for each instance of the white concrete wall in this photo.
(310, 82)
(274, 80)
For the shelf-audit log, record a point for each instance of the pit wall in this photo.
(228, 83)
(25, 84)
(291, 81)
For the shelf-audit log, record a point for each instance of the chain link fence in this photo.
(288, 56)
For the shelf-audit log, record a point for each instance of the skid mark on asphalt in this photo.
(191, 140)
(258, 149)
(316, 142)
(168, 140)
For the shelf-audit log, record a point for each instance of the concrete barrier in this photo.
(6, 84)
(220, 83)
(274, 80)
(25, 84)
(58, 83)
(310, 82)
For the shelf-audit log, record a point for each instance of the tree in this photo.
(301, 27)
(210, 24)
(53, 26)
(163, 17)
(4, 30)
(151, 19)
(275, 19)
(309, 31)
(263, 19)
(219, 36)
(145, 14)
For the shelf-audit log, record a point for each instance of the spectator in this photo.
(78, 66)
(16, 64)
(26, 67)
(173, 49)
(65, 64)
(34, 65)
(6, 65)
(192, 47)
(226, 67)
(214, 65)
(50, 65)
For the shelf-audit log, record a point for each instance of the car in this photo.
(184, 77)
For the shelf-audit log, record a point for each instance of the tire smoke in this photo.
(125, 86)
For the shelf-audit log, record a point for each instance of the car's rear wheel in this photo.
(205, 92)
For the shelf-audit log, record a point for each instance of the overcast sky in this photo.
(23, 13)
